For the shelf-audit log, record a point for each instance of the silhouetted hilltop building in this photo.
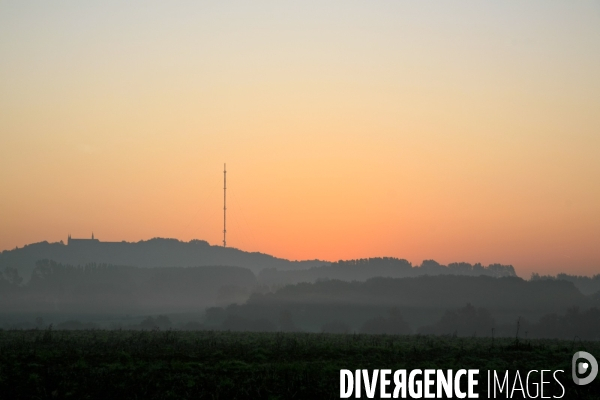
(75, 242)
(93, 242)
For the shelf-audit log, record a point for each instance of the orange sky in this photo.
(460, 132)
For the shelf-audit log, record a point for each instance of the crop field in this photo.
(98, 364)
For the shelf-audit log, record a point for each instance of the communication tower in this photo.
(224, 205)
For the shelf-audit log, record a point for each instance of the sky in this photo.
(454, 131)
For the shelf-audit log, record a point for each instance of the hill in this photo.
(151, 253)
(386, 267)
(112, 289)
(420, 300)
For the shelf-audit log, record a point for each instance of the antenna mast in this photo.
(224, 204)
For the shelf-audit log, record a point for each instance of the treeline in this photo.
(467, 321)
(153, 253)
(122, 289)
(95, 288)
(405, 305)
(431, 292)
(363, 269)
(507, 306)
(470, 321)
(586, 284)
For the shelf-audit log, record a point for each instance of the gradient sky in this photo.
(454, 131)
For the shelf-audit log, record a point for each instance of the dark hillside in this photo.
(434, 291)
(387, 267)
(150, 253)
(420, 300)
(94, 288)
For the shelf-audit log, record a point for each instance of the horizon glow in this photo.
(467, 131)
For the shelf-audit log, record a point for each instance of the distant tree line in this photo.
(586, 284)
(431, 292)
(471, 321)
(427, 304)
(153, 253)
(363, 269)
(439, 305)
(93, 288)
(96, 287)
(467, 321)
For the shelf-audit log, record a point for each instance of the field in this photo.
(97, 364)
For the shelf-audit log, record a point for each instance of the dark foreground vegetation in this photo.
(97, 364)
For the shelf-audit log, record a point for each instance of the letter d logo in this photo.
(583, 367)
